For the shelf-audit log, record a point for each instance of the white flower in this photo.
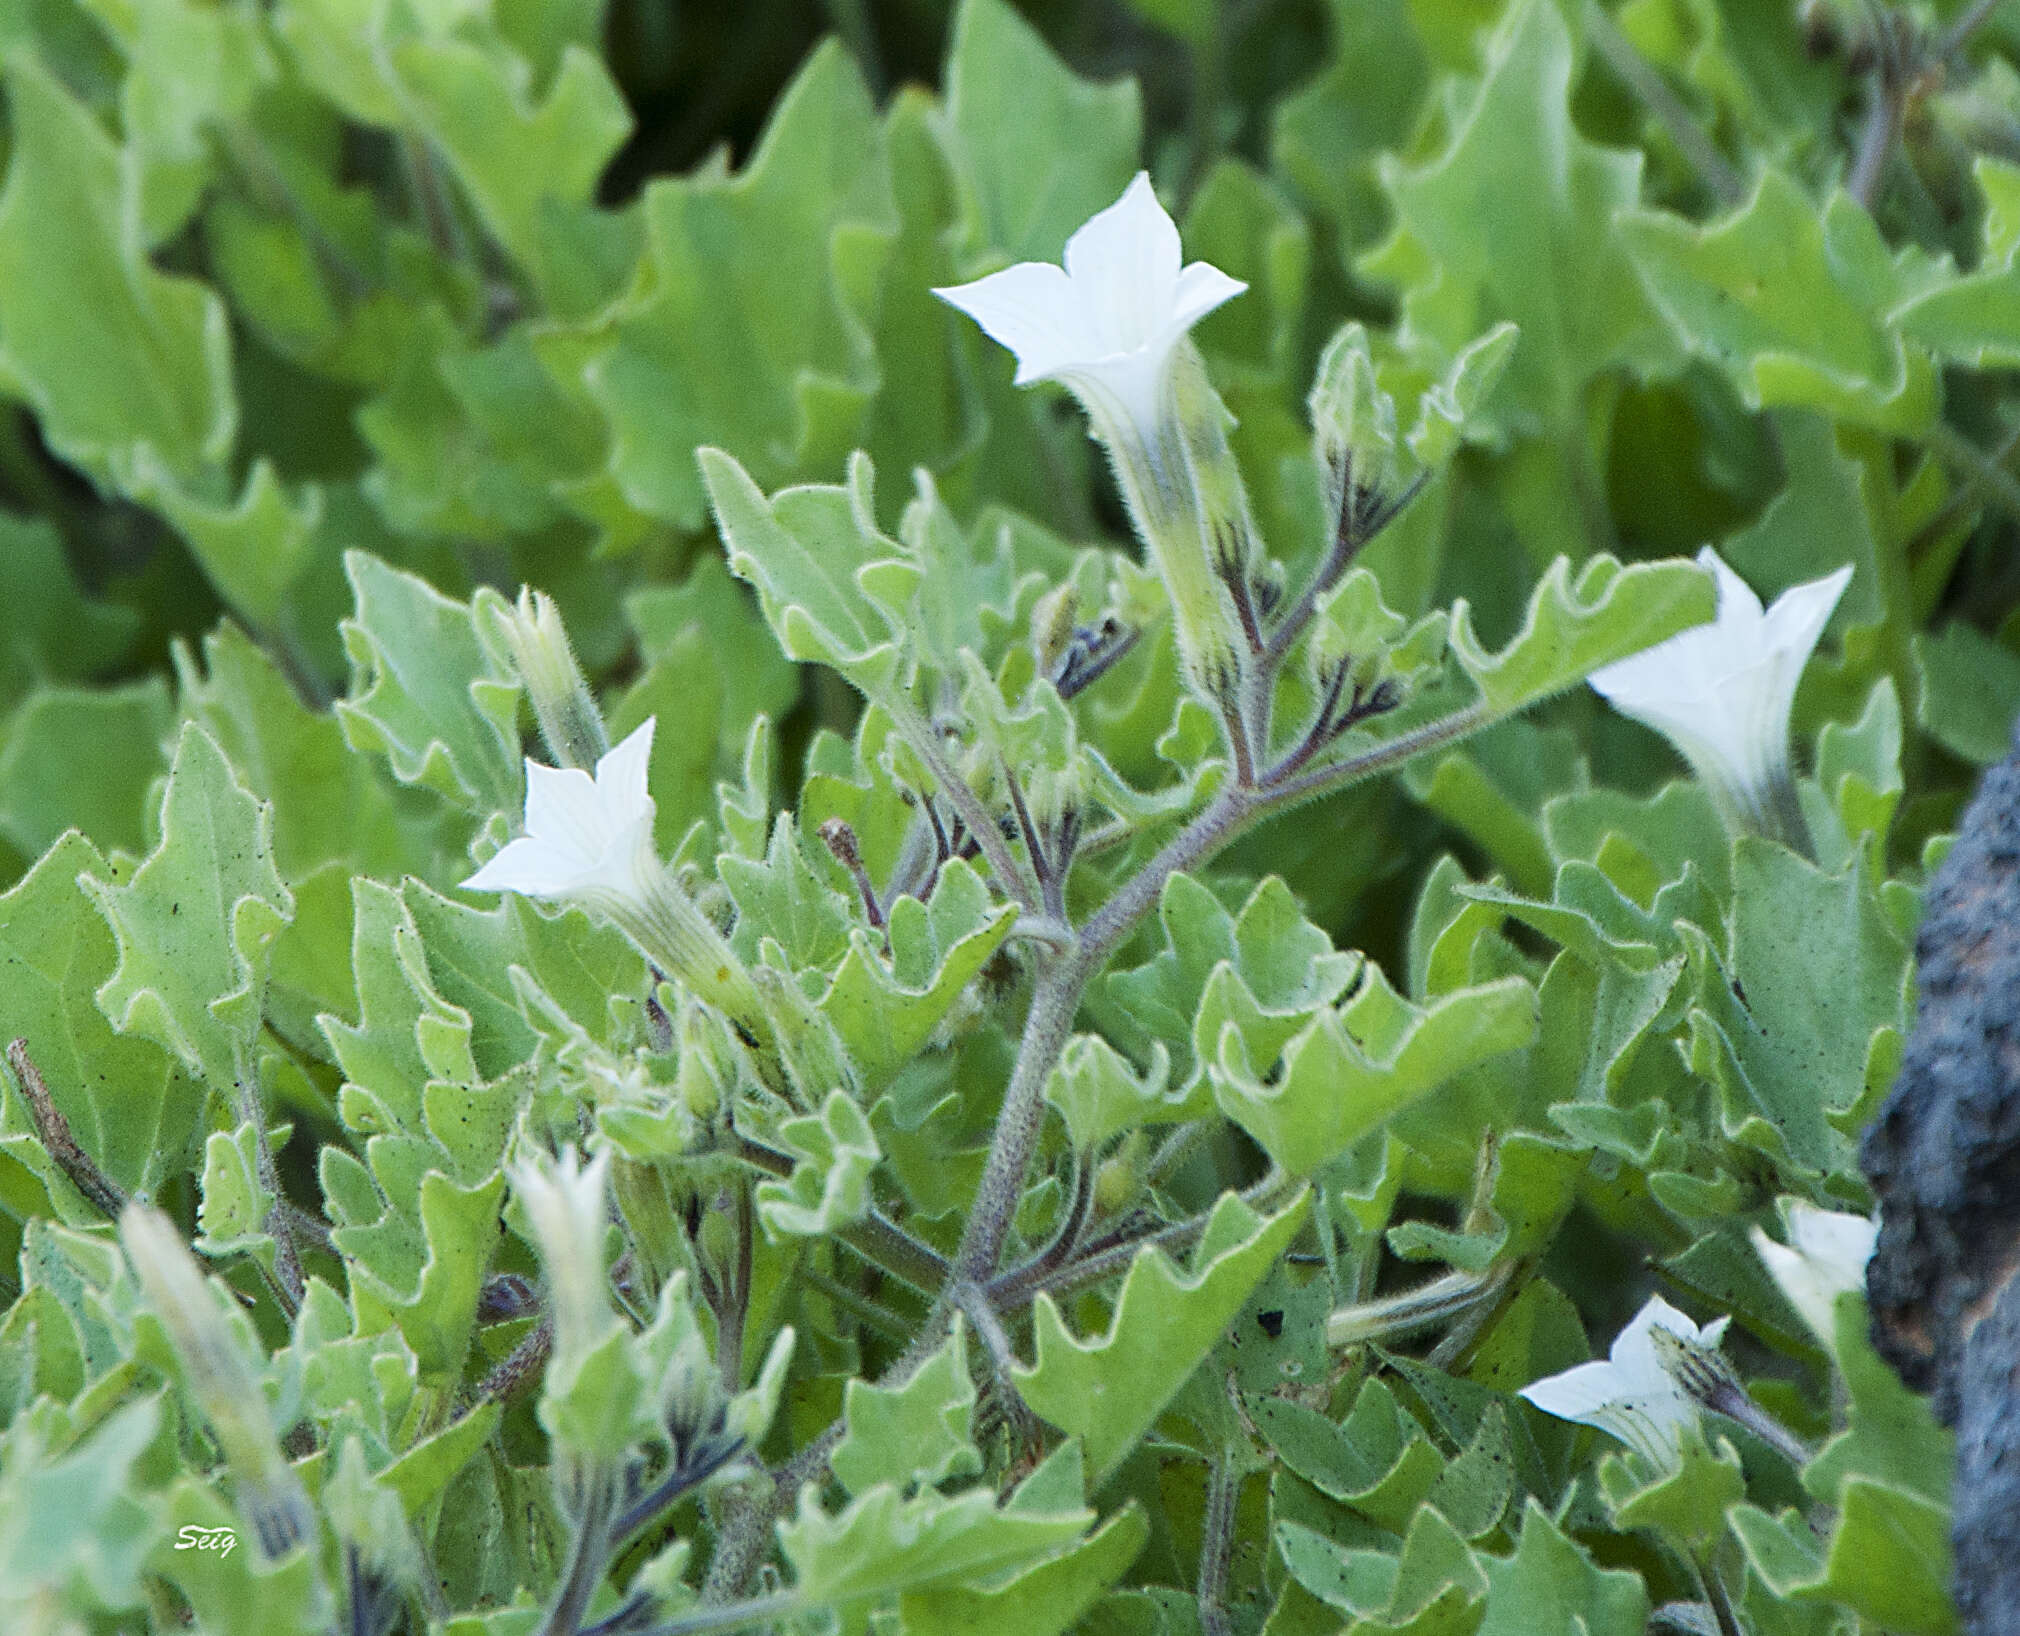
(1825, 1257)
(1108, 324)
(1721, 693)
(1631, 1395)
(584, 836)
(565, 1202)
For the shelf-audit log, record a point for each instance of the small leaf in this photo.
(915, 1434)
(194, 921)
(1109, 1389)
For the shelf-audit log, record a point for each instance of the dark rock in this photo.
(1944, 1158)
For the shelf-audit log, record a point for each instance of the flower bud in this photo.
(216, 1374)
(566, 1205)
(571, 726)
(1353, 425)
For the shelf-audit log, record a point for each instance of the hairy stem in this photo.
(876, 1238)
(1216, 1543)
(981, 825)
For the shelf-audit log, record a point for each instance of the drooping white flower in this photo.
(1630, 1394)
(1825, 1257)
(584, 835)
(1108, 323)
(1722, 692)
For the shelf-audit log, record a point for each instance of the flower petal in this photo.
(565, 814)
(1201, 288)
(1577, 1393)
(1123, 264)
(1796, 622)
(1031, 309)
(621, 776)
(526, 865)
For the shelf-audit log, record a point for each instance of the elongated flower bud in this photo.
(571, 726)
(218, 1377)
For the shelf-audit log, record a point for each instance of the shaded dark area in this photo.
(1944, 1157)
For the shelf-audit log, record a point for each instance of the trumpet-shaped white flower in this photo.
(1631, 1395)
(1825, 1257)
(1722, 692)
(584, 836)
(590, 840)
(1109, 322)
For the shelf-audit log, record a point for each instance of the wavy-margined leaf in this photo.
(1518, 175)
(830, 1185)
(913, 1435)
(1550, 1587)
(882, 1543)
(1789, 299)
(1788, 1015)
(1975, 319)
(46, 787)
(1266, 970)
(426, 692)
(1108, 1389)
(885, 1008)
(194, 921)
(834, 589)
(1578, 621)
(420, 1265)
(1430, 1588)
(1888, 1558)
(1036, 149)
(114, 356)
(128, 1101)
(1099, 1094)
(1378, 1461)
(748, 324)
(1350, 1069)
(1042, 1600)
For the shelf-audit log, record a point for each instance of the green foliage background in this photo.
(317, 318)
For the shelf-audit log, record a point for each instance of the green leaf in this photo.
(1975, 319)
(519, 159)
(1266, 972)
(1550, 1587)
(1350, 1069)
(884, 1010)
(747, 326)
(127, 1102)
(1517, 174)
(1109, 1389)
(280, 749)
(114, 357)
(915, 1435)
(834, 589)
(1045, 1600)
(79, 1532)
(1100, 1095)
(1036, 149)
(1378, 1461)
(1574, 625)
(1968, 692)
(426, 693)
(53, 630)
(46, 786)
(1814, 969)
(194, 921)
(830, 1185)
(1687, 1505)
(1789, 299)
(883, 1542)
(1328, 136)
